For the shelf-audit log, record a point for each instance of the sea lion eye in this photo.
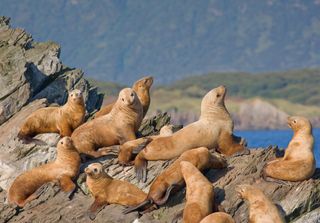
(131, 95)
(294, 121)
(95, 170)
(218, 95)
(122, 99)
(61, 143)
(71, 95)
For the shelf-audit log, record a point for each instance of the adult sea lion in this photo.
(213, 130)
(107, 190)
(171, 178)
(63, 120)
(142, 88)
(117, 127)
(199, 194)
(261, 208)
(298, 163)
(62, 170)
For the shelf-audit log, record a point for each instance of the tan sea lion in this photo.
(298, 163)
(171, 178)
(117, 127)
(142, 88)
(199, 194)
(261, 208)
(62, 170)
(213, 130)
(63, 120)
(127, 151)
(218, 217)
(107, 190)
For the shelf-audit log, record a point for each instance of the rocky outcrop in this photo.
(30, 71)
(42, 80)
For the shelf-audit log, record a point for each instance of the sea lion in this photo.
(62, 170)
(107, 190)
(199, 194)
(218, 217)
(117, 127)
(171, 178)
(213, 130)
(141, 87)
(298, 163)
(63, 120)
(127, 151)
(261, 209)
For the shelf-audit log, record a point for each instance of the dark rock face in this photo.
(39, 82)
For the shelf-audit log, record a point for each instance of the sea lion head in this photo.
(213, 98)
(94, 170)
(298, 123)
(76, 96)
(244, 190)
(128, 97)
(143, 84)
(65, 143)
(166, 130)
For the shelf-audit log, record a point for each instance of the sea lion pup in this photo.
(213, 130)
(141, 87)
(199, 194)
(171, 178)
(63, 120)
(107, 190)
(298, 163)
(117, 127)
(218, 217)
(62, 170)
(261, 209)
(127, 151)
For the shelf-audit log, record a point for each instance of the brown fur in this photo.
(63, 120)
(117, 127)
(298, 163)
(201, 158)
(218, 217)
(142, 88)
(199, 194)
(107, 190)
(261, 208)
(63, 169)
(213, 130)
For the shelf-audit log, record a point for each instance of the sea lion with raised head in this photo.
(199, 194)
(171, 178)
(62, 170)
(213, 130)
(107, 190)
(117, 127)
(298, 163)
(63, 120)
(142, 88)
(261, 208)
(218, 217)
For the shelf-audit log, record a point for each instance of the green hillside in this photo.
(121, 40)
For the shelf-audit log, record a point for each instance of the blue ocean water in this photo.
(281, 138)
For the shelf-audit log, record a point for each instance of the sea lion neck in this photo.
(213, 111)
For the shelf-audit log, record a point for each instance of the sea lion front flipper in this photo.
(136, 207)
(67, 185)
(110, 150)
(140, 165)
(141, 146)
(95, 208)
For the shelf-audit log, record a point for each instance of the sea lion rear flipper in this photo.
(110, 150)
(166, 196)
(133, 208)
(141, 146)
(29, 140)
